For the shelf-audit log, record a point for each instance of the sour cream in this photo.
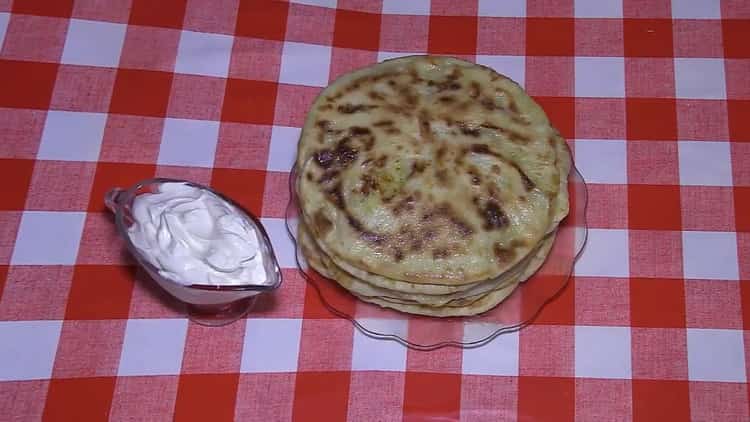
(192, 236)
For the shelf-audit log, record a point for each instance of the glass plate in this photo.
(429, 333)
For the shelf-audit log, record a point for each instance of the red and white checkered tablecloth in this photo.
(653, 96)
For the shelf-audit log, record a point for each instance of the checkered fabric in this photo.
(653, 96)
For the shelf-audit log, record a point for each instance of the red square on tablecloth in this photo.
(659, 353)
(371, 6)
(149, 300)
(51, 189)
(648, 37)
(394, 38)
(561, 310)
(649, 77)
(35, 292)
(599, 37)
(21, 132)
(734, 36)
(546, 398)
(276, 195)
(478, 390)
(423, 401)
(651, 118)
(131, 139)
(244, 186)
(150, 48)
(607, 206)
(200, 175)
(742, 208)
(262, 19)
(23, 400)
(655, 253)
(61, 8)
(164, 13)
(213, 350)
(34, 38)
(501, 36)
(643, 215)
(334, 295)
(100, 243)
(79, 399)
(254, 58)
(652, 162)
(452, 35)
(325, 345)
(89, 349)
(3, 276)
(739, 124)
(100, 292)
(546, 350)
(452, 8)
(9, 222)
(242, 146)
(321, 393)
(659, 400)
(740, 164)
(646, 9)
(602, 301)
(112, 175)
(293, 103)
(708, 208)
(196, 97)
(603, 399)
(702, 120)
(212, 16)
(144, 398)
(600, 118)
(344, 60)
(264, 388)
(550, 37)
(657, 302)
(284, 303)
(310, 24)
(384, 388)
(737, 74)
(26, 84)
(719, 401)
(712, 304)
(14, 194)
(141, 92)
(735, 9)
(550, 76)
(743, 252)
(697, 38)
(195, 391)
(111, 11)
(83, 88)
(745, 301)
(357, 30)
(561, 112)
(249, 101)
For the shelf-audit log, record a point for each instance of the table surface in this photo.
(653, 97)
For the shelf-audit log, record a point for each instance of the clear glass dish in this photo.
(428, 333)
(205, 304)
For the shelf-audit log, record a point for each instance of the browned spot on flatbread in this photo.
(404, 205)
(355, 108)
(474, 89)
(503, 254)
(494, 216)
(447, 99)
(440, 253)
(383, 123)
(484, 149)
(376, 96)
(322, 224)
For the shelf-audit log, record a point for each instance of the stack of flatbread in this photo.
(429, 185)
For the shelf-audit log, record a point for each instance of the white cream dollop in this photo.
(193, 236)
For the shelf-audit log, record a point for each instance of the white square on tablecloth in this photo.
(704, 163)
(602, 161)
(370, 354)
(513, 67)
(271, 345)
(72, 136)
(282, 244)
(602, 77)
(27, 349)
(4, 18)
(305, 64)
(606, 254)
(48, 238)
(92, 43)
(321, 3)
(598, 8)
(602, 352)
(696, 9)
(283, 148)
(498, 357)
(700, 78)
(709, 255)
(715, 355)
(410, 7)
(187, 142)
(204, 54)
(153, 347)
(502, 8)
